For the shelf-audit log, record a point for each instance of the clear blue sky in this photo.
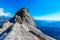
(37, 7)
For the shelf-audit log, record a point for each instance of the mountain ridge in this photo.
(23, 27)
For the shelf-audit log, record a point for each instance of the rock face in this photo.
(5, 26)
(23, 28)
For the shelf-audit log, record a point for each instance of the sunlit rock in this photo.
(24, 28)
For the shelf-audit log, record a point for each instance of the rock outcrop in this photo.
(23, 27)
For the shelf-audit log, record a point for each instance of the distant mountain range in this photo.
(51, 28)
(48, 23)
(4, 18)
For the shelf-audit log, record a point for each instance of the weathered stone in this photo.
(5, 26)
(25, 28)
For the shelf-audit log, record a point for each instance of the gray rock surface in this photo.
(5, 26)
(24, 28)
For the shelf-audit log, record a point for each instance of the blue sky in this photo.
(39, 9)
